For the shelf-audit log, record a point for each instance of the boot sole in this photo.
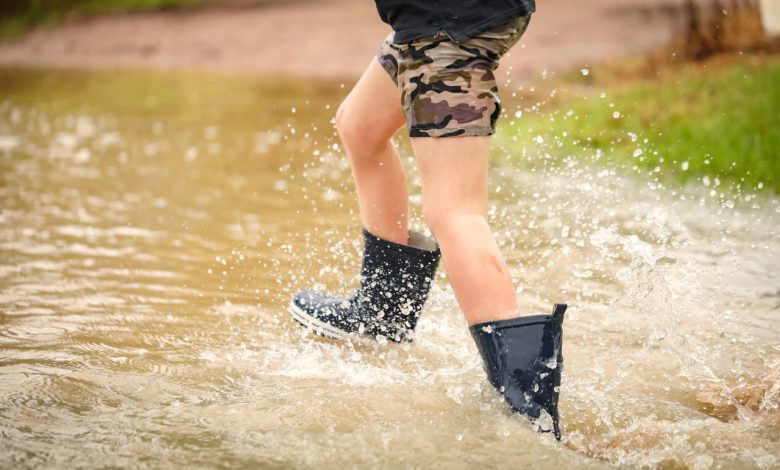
(319, 327)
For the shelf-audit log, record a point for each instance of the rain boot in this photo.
(523, 360)
(394, 284)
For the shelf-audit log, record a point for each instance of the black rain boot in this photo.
(523, 360)
(394, 283)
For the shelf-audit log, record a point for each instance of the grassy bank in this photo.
(17, 16)
(717, 122)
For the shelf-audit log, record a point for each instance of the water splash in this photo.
(144, 287)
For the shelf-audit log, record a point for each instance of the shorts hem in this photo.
(467, 131)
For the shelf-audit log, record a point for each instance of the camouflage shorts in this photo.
(447, 86)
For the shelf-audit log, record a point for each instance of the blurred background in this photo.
(339, 36)
(170, 174)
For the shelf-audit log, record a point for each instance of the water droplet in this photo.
(191, 154)
(544, 421)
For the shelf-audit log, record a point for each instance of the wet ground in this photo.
(154, 226)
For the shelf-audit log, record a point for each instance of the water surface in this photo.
(155, 225)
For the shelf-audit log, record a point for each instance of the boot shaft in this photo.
(395, 280)
(522, 358)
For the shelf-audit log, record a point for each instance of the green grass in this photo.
(719, 120)
(18, 16)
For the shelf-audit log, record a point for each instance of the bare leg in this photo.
(366, 120)
(454, 188)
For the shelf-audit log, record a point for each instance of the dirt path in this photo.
(327, 38)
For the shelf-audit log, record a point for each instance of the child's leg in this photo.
(366, 120)
(455, 201)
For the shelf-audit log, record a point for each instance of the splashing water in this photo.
(154, 227)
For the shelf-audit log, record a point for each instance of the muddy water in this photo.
(154, 226)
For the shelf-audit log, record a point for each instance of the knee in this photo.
(361, 140)
(445, 219)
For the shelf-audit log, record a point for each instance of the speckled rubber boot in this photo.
(394, 284)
